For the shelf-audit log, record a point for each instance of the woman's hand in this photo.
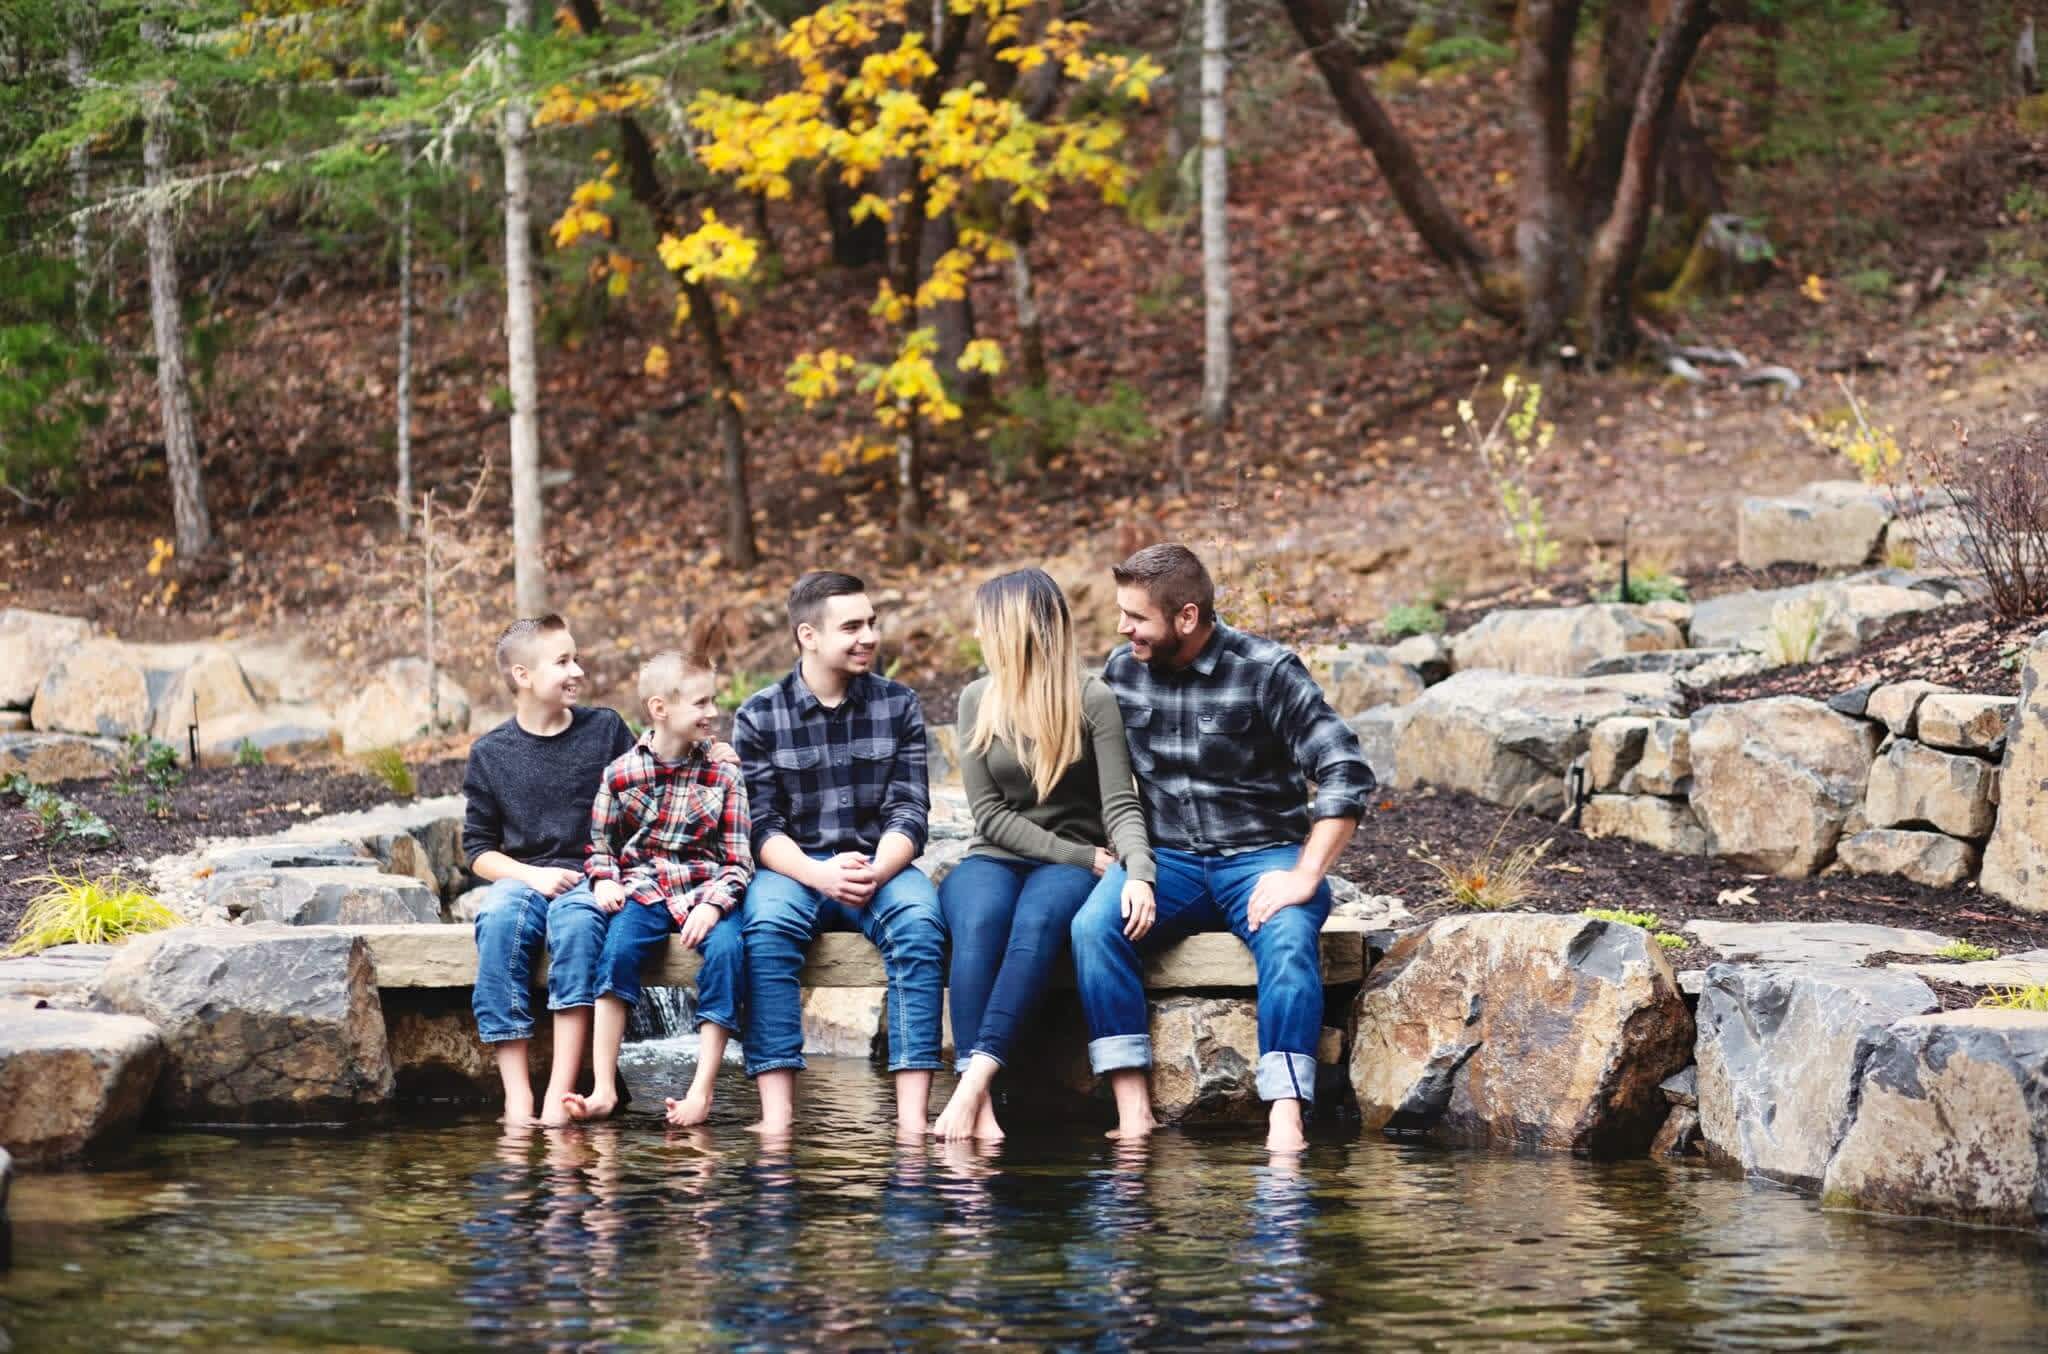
(1140, 909)
(1103, 860)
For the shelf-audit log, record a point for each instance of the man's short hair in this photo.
(664, 674)
(1172, 576)
(515, 645)
(808, 595)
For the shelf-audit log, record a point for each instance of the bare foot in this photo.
(961, 1117)
(691, 1110)
(518, 1116)
(773, 1128)
(911, 1132)
(592, 1106)
(985, 1127)
(1283, 1128)
(1135, 1131)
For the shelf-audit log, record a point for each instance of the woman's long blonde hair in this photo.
(1033, 701)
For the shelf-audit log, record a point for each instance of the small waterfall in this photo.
(663, 1013)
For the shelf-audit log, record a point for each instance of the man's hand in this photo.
(610, 894)
(1277, 889)
(698, 924)
(1139, 907)
(549, 882)
(723, 752)
(1103, 860)
(848, 878)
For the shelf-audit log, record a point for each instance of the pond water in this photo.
(450, 1235)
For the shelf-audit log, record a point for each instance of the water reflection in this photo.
(460, 1235)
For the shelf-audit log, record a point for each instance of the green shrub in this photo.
(59, 817)
(1964, 951)
(1647, 583)
(388, 766)
(155, 763)
(1413, 618)
(248, 754)
(86, 911)
(1646, 920)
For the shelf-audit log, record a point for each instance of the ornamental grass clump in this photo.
(1965, 952)
(80, 911)
(2031, 997)
(389, 767)
(1492, 881)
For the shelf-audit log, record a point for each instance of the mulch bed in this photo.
(1579, 872)
(210, 802)
(1964, 646)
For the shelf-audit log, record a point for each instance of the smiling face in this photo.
(549, 674)
(689, 716)
(1155, 637)
(845, 637)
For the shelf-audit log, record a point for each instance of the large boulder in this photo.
(393, 707)
(1912, 785)
(1205, 1058)
(1379, 738)
(209, 691)
(1613, 751)
(1963, 723)
(1951, 1121)
(281, 730)
(1664, 824)
(47, 758)
(1835, 524)
(72, 1082)
(61, 975)
(1780, 1048)
(1896, 705)
(29, 643)
(1665, 767)
(1561, 641)
(333, 895)
(1359, 677)
(260, 1023)
(435, 1052)
(1532, 1031)
(99, 687)
(2016, 858)
(1510, 739)
(1931, 858)
(1774, 780)
(1849, 611)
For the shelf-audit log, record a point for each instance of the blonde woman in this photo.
(1048, 777)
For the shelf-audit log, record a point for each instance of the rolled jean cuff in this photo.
(960, 1063)
(1287, 1076)
(1115, 1052)
(755, 1069)
(914, 1064)
(725, 1020)
(504, 1034)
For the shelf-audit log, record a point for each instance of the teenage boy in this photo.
(1226, 732)
(835, 763)
(529, 786)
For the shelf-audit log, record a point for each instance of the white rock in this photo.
(210, 690)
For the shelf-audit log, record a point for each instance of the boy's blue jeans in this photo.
(515, 920)
(630, 936)
(1207, 893)
(1008, 920)
(782, 917)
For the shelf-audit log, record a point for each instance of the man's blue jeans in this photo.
(781, 917)
(1008, 920)
(1207, 893)
(637, 928)
(513, 923)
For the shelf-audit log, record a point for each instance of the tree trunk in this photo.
(1030, 327)
(529, 567)
(1215, 223)
(1442, 232)
(192, 529)
(740, 551)
(1546, 232)
(81, 189)
(1624, 52)
(953, 320)
(855, 244)
(405, 305)
(429, 576)
(1619, 246)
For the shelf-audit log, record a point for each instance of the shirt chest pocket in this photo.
(1140, 726)
(879, 750)
(1228, 743)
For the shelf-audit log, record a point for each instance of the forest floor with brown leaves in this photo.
(1334, 497)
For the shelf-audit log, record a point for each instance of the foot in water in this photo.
(579, 1108)
(691, 1110)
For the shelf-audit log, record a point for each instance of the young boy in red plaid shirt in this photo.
(669, 855)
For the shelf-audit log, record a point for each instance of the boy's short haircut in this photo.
(515, 645)
(1172, 576)
(664, 674)
(808, 595)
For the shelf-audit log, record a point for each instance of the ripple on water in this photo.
(454, 1235)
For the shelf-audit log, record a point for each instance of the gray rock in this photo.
(1896, 704)
(1951, 1121)
(324, 896)
(1510, 739)
(1851, 610)
(1377, 911)
(1964, 723)
(1668, 825)
(47, 758)
(2016, 858)
(275, 731)
(1683, 1088)
(72, 1082)
(1614, 750)
(393, 707)
(2029, 968)
(109, 689)
(1680, 1135)
(1665, 768)
(940, 856)
(1930, 858)
(1205, 1058)
(1560, 641)
(1774, 780)
(1673, 661)
(942, 764)
(1379, 737)
(1780, 1048)
(30, 642)
(1912, 785)
(1428, 655)
(63, 975)
(465, 906)
(1835, 524)
(232, 857)
(1809, 942)
(260, 1023)
(1854, 702)
(1360, 677)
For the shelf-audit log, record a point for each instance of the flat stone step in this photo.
(445, 956)
(60, 971)
(2027, 969)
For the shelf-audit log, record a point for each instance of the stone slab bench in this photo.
(427, 956)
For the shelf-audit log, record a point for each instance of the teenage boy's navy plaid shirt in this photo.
(1225, 747)
(674, 833)
(834, 780)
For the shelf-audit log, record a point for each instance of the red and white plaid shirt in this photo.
(672, 832)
